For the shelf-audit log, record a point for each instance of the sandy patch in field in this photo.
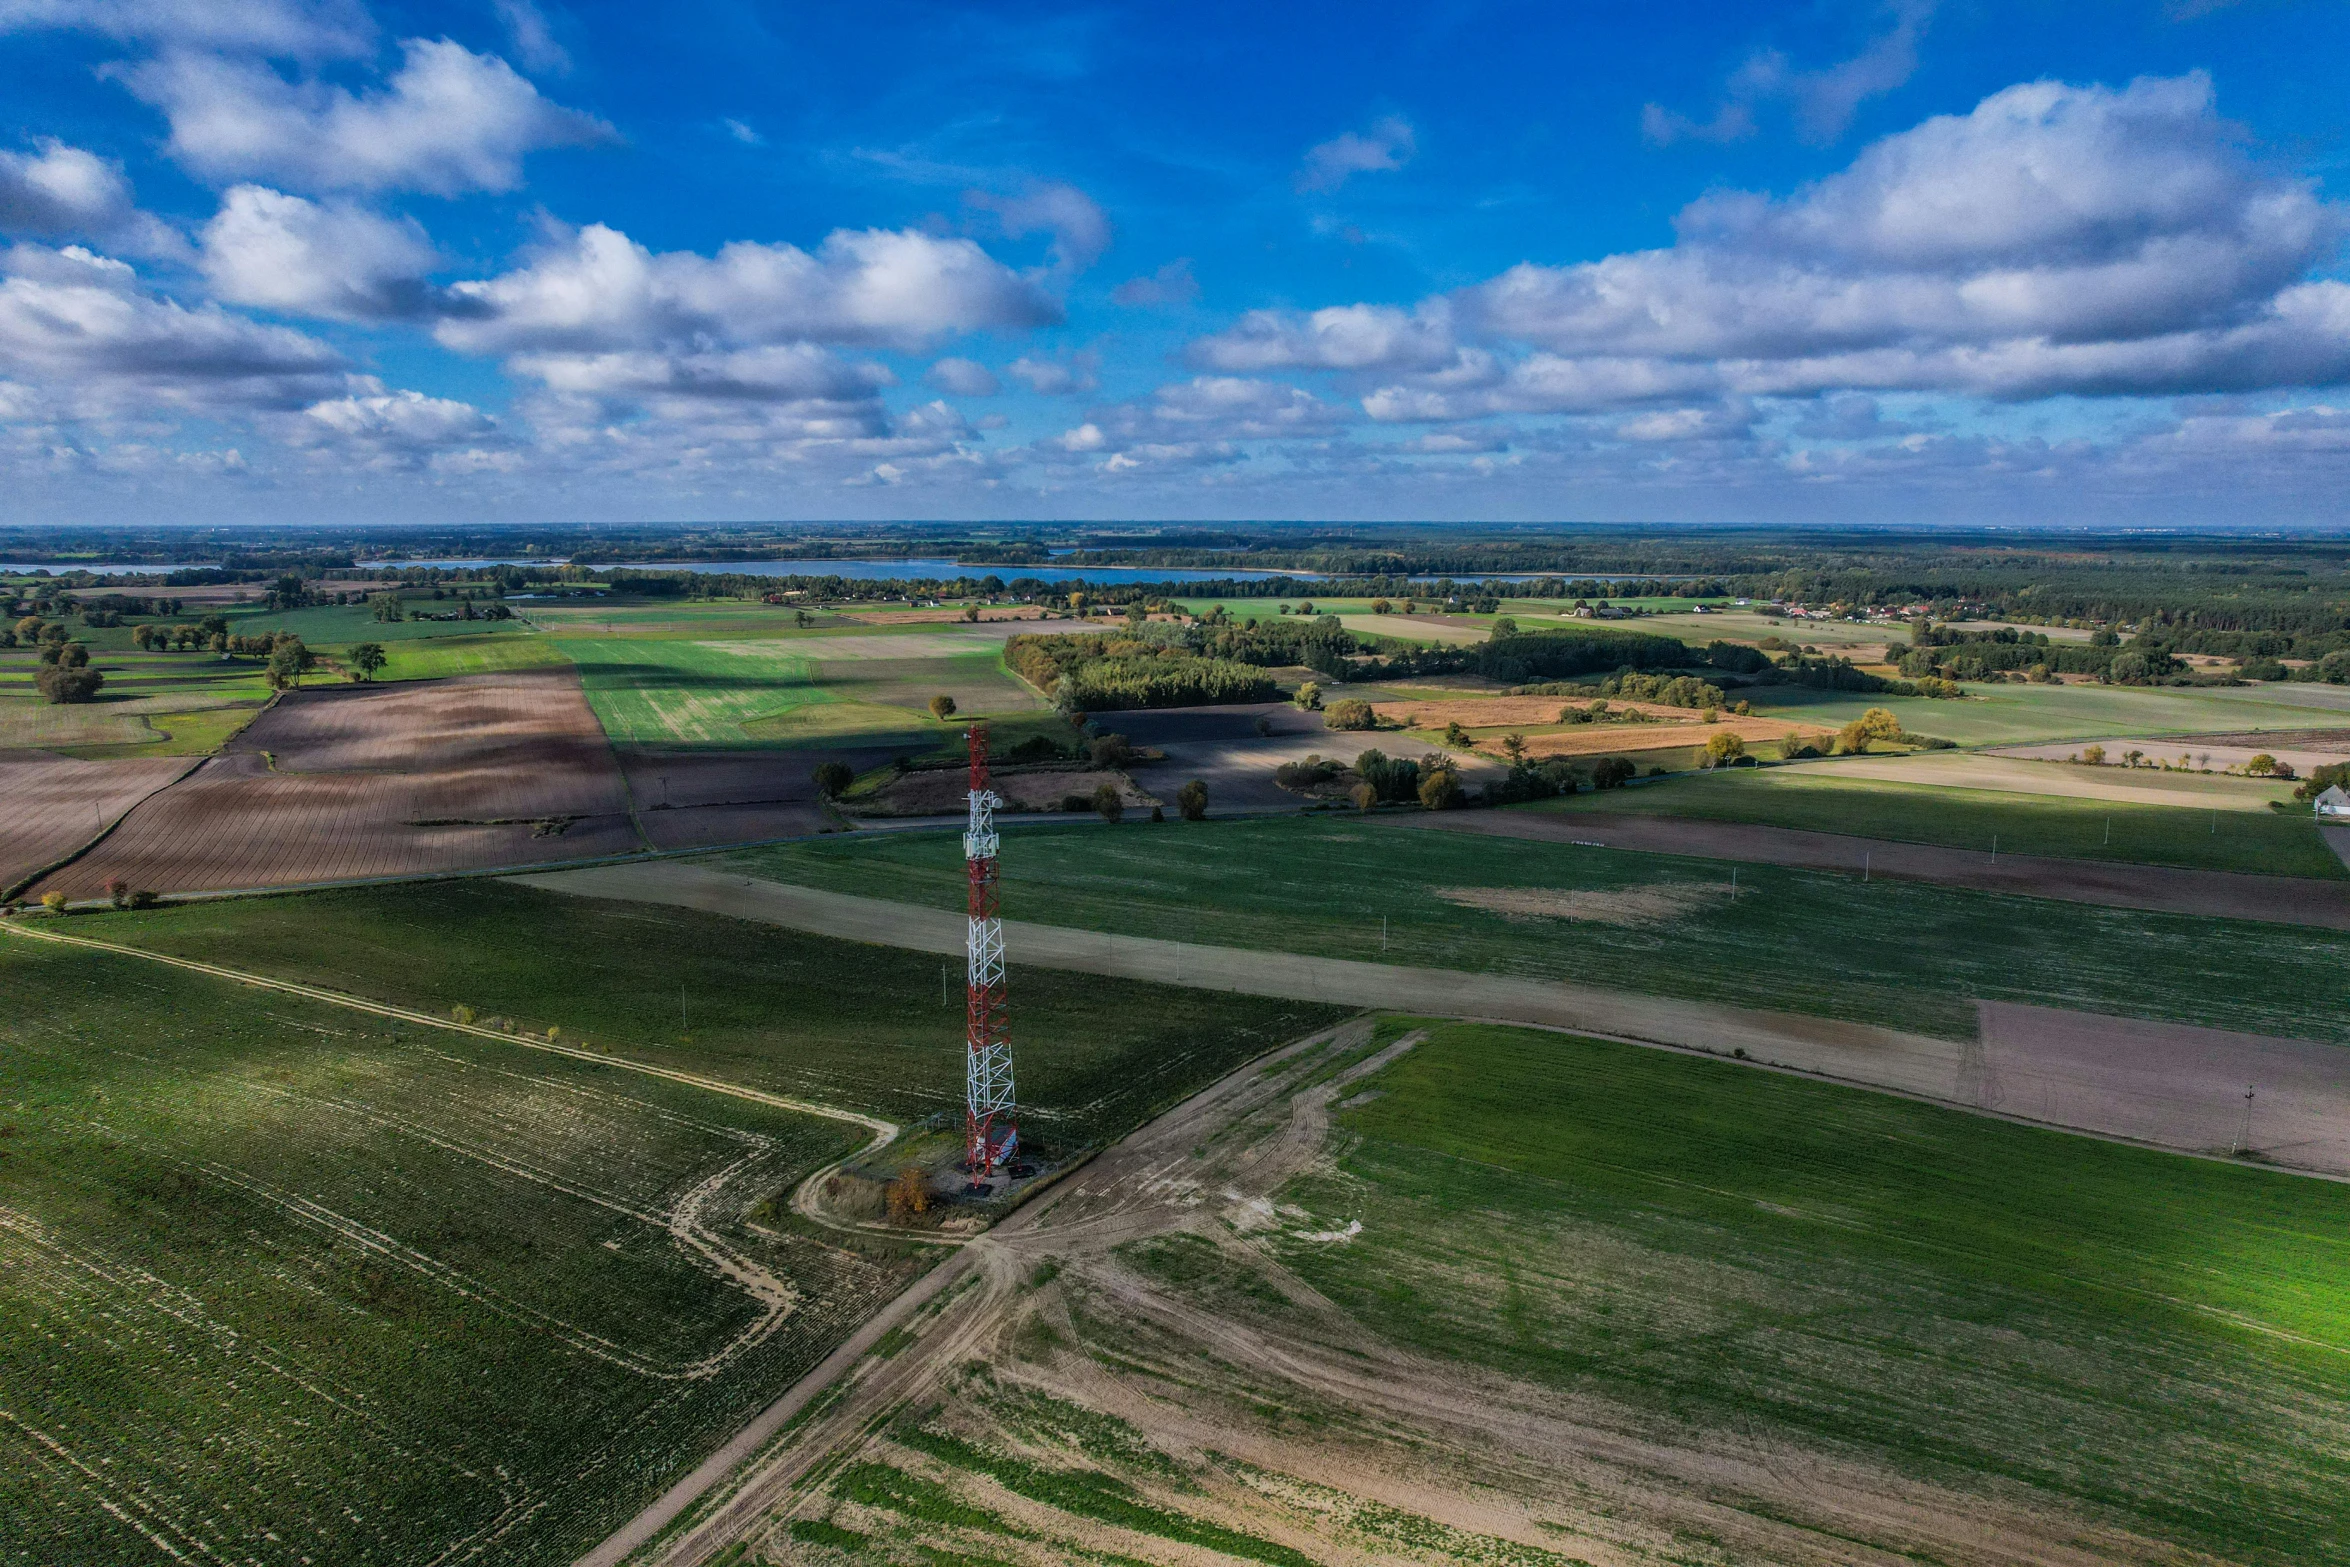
(2006, 772)
(1649, 905)
(1607, 739)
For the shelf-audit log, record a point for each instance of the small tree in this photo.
(1309, 695)
(1351, 713)
(461, 1013)
(1362, 796)
(64, 683)
(1106, 801)
(1440, 789)
(908, 1195)
(1192, 801)
(365, 659)
(1381, 607)
(832, 779)
(1723, 748)
(53, 901)
(1457, 737)
(1513, 746)
(2093, 756)
(2261, 765)
(118, 893)
(942, 707)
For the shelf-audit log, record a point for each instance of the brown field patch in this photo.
(1649, 905)
(942, 791)
(1507, 712)
(358, 781)
(906, 617)
(53, 806)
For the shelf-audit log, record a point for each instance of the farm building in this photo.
(2333, 804)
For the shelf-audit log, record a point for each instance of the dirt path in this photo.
(2106, 1076)
(2282, 900)
(1452, 1447)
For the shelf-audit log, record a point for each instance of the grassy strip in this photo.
(868, 1027)
(2264, 843)
(2162, 1344)
(1904, 954)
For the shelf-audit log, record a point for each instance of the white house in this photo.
(2333, 805)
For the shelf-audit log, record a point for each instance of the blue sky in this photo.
(520, 261)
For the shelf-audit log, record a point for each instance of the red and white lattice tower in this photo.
(988, 1070)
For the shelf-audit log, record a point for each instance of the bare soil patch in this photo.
(54, 806)
(697, 799)
(1616, 906)
(358, 781)
(906, 617)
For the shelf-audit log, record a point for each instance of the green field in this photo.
(873, 1028)
(436, 658)
(283, 1283)
(2007, 714)
(1904, 954)
(2154, 1343)
(159, 704)
(2261, 842)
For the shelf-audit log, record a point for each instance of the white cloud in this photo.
(2055, 240)
(1386, 146)
(533, 39)
(1051, 378)
(779, 372)
(64, 192)
(600, 291)
(448, 121)
(83, 323)
(1824, 101)
(1342, 337)
(1172, 284)
(281, 252)
(743, 133)
(272, 27)
(381, 429)
(1080, 230)
(963, 378)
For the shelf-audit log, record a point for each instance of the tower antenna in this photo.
(988, 1067)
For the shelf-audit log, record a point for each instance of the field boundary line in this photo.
(884, 1132)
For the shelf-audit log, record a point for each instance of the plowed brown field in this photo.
(50, 806)
(358, 781)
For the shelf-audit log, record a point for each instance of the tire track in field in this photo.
(882, 1131)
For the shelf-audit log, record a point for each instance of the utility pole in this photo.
(2244, 1132)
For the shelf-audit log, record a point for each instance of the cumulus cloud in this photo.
(1824, 101)
(64, 192)
(1342, 337)
(273, 27)
(1171, 285)
(2057, 239)
(448, 121)
(1073, 377)
(963, 378)
(1387, 145)
(337, 260)
(380, 429)
(1079, 228)
(599, 291)
(84, 322)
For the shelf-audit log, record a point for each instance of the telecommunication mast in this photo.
(988, 1068)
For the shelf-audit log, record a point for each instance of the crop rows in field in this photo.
(280, 1282)
(53, 805)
